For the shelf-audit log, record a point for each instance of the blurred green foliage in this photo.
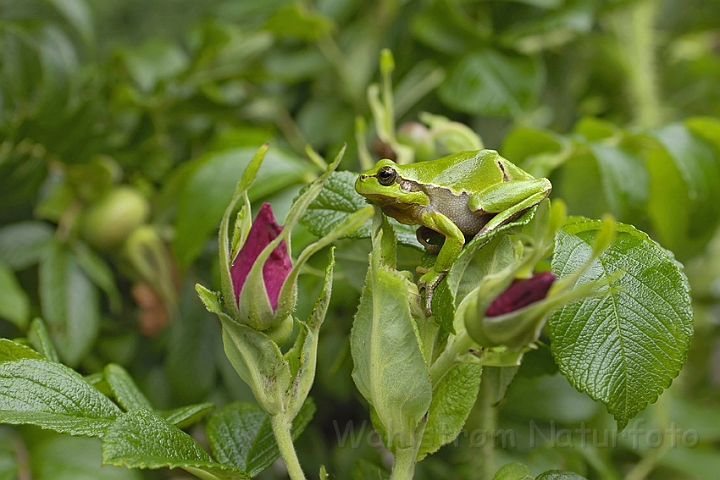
(615, 100)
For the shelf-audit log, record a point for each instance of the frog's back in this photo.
(461, 172)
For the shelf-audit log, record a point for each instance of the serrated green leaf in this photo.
(184, 417)
(21, 244)
(123, 387)
(142, 439)
(559, 475)
(452, 400)
(14, 302)
(10, 351)
(491, 82)
(69, 303)
(389, 367)
(240, 434)
(233, 432)
(210, 187)
(52, 396)
(513, 471)
(337, 201)
(623, 348)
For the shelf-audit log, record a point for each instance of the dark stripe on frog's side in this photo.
(506, 177)
(452, 205)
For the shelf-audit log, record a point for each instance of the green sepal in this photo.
(389, 366)
(241, 229)
(304, 351)
(258, 361)
(210, 299)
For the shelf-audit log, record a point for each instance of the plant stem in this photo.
(652, 456)
(404, 464)
(281, 430)
(488, 422)
(634, 29)
(461, 344)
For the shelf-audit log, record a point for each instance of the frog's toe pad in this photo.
(429, 282)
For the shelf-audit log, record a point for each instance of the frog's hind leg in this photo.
(508, 201)
(425, 235)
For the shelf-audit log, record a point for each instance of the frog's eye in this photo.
(387, 175)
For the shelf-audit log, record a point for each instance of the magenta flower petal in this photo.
(277, 267)
(521, 294)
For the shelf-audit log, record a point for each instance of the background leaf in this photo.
(14, 302)
(60, 457)
(624, 180)
(210, 186)
(22, 243)
(69, 302)
(493, 83)
(625, 347)
(685, 170)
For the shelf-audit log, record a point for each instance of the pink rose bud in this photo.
(277, 267)
(521, 293)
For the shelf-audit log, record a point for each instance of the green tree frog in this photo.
(462, 195)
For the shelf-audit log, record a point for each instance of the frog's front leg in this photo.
(508, 200)
(454, 241)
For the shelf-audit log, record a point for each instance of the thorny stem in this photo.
(649, 460)
(634, 29)
(281, 430)
(488, 423)
(404, 464)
